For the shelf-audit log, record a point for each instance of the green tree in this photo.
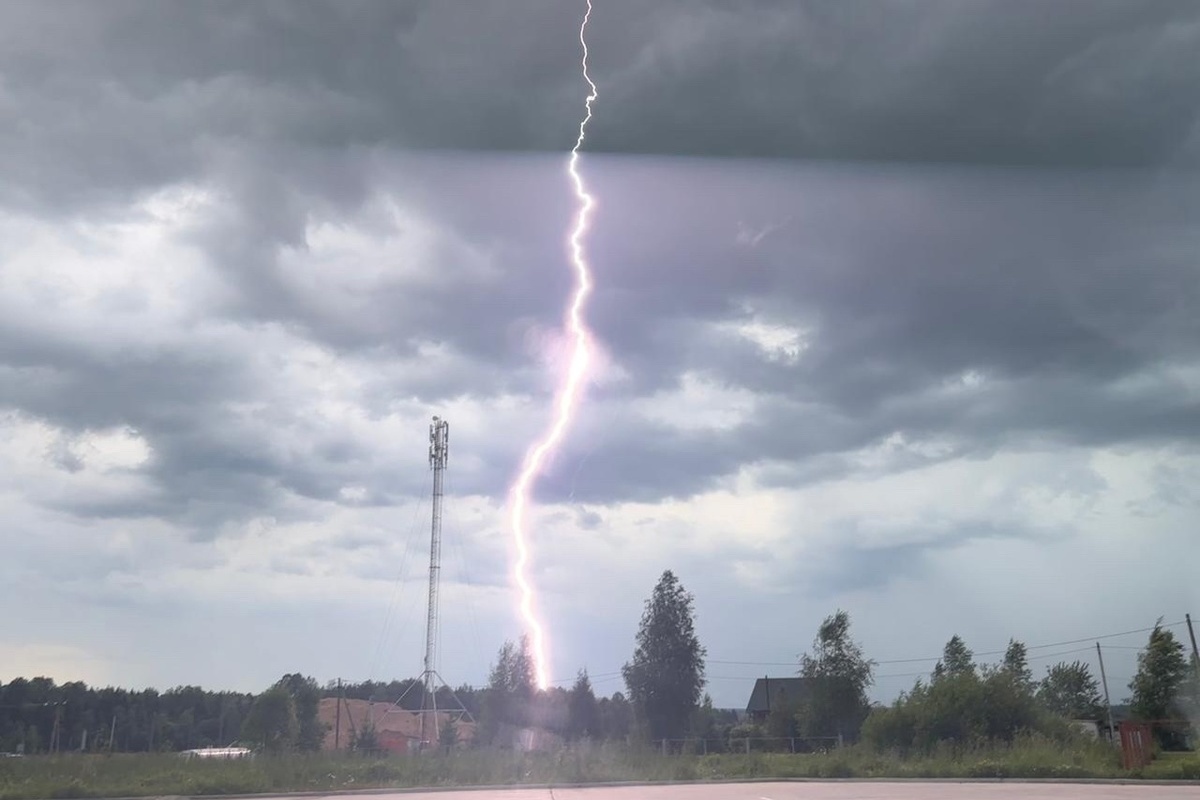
(958, 708)
(448, 734)
(838, 676)
(182, 717)
(583, 718)
(666, 675)
(786, 717)
(1016, 665)
(366, 740)
(271, 723)
(513, 671)
(508, 699)
(1070, 691)
(1163, 671)
(306, 697)
(616, 717)
(713, 725)
(957, 659)
(1189, 698)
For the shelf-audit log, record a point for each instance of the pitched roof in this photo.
(769, 692)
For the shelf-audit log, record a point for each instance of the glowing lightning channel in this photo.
(572, 387)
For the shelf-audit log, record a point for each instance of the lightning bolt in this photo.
(572, 386)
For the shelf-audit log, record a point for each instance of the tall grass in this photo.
(146, 775)
(1026, 757)
(1174, 767)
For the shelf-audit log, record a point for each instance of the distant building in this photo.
(396, 731)
(218, 752)
(771, 693)
(1099, 727)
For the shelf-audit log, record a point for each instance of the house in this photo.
(771, 693)
(1099, 728)
(396, 730)
(1120, 713)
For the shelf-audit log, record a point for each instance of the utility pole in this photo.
(54, 731)
(1195, 652)
(439, 452)
(112, 734)
(1104, 681)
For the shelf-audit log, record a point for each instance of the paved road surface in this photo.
(826, 791)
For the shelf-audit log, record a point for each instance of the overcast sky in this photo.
(898, 306)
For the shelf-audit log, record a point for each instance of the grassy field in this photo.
(143, 775)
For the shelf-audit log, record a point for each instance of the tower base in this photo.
(431, 682)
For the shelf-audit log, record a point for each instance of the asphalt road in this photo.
(823, 791)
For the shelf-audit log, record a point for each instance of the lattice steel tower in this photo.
(439, 452)
(431, 681)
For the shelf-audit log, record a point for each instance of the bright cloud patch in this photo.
(107, 451)
(131, 276)
(53, 466)
(699, 404)
(775, 341)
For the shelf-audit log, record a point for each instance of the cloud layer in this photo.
(242, 263)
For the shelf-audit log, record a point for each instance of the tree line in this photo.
(39, 716)
(965, 701)
(959, 701)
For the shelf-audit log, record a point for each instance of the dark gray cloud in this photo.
(1068, 298)
(983, 82)
(104, 99)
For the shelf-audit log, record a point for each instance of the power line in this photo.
(605, 677)
(398, 588)
(888, 676)
(459, 552)
(1032, 658)
(598, 678)
(902, 675)
(1060, 653)
(912, 674)
(1088, 639)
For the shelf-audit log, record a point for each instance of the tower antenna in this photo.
(439, 452)
(431, 681)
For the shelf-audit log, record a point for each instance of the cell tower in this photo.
(431, 681)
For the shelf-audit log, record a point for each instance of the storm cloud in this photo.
(887, 297)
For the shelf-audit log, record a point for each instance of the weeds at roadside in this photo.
(84, 776)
